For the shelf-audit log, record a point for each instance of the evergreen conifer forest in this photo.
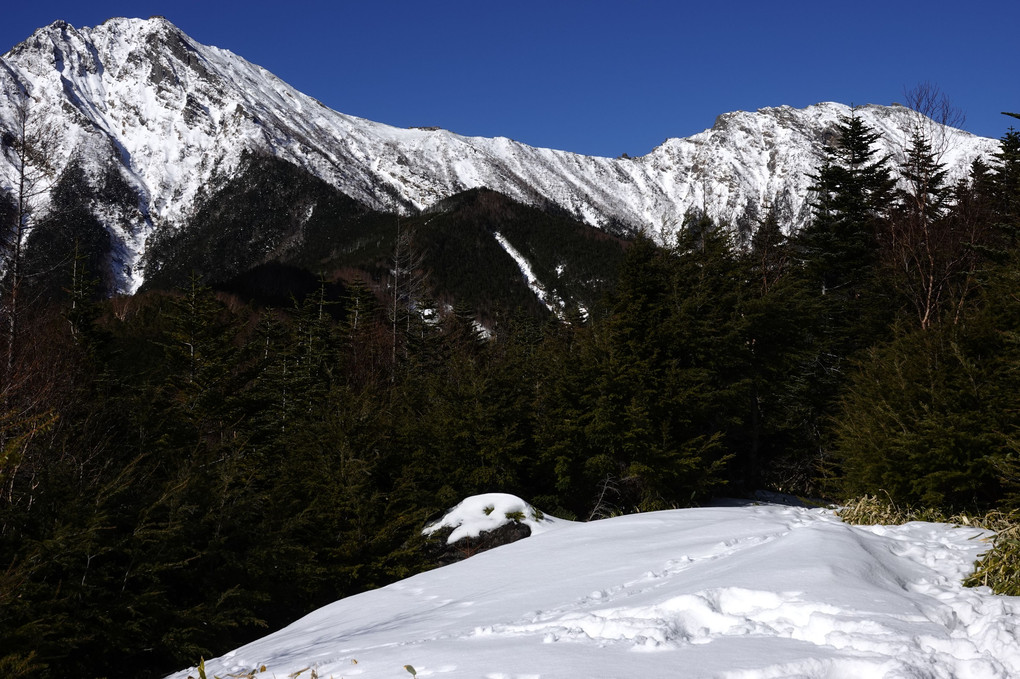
(187, 468)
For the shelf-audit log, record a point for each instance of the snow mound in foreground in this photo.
(726, 592)
(487, 512)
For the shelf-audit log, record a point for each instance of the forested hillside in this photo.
(188, 467)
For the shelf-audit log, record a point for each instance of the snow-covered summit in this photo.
(169, 115)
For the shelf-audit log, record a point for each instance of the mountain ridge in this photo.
(171, 115)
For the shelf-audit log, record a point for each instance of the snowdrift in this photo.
(748, 592)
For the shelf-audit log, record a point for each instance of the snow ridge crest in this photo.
(171, 115)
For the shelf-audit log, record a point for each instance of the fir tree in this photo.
(1006, 186)
(639, 403)
(839, 255)
(769, 250)
(850, 195)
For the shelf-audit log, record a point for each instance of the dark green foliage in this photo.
(466, 262)
(217, 478)
(782, 324)
(1006, 187)
(931, 417)
(266, 211)
(633, 416)
(927, 193)
(1008, 175)
(273, 227)
(69, 244)
(469, 266)
(851, 193)
(838, 255)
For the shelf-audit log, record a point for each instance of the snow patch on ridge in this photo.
(551, 303)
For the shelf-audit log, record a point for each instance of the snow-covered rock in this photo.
(481, 523)
(487, 512)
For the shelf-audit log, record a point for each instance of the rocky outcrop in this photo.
(441, 553)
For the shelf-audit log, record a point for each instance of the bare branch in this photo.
(31, 148)
(935, 116)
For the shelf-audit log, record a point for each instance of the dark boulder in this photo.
(442, 554)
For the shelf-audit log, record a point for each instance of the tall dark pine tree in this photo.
(778, 320)
(769, 251)
(839, 255)
(1006, 178)
(926, 193)
(851, 195)
(839, 249)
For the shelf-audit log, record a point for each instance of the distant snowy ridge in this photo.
(172, 114)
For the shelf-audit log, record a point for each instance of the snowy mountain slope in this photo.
(752, 592)
(172, 115)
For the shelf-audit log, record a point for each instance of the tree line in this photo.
(182, 471)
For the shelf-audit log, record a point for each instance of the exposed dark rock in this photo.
(442, 554)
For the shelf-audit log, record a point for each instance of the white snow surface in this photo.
(173, 115)
(749, 592)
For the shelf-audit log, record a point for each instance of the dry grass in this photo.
(998, 568)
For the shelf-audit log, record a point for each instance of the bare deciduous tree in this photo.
(926, 247)
(935, 117)
(31, 148)
(409, 287)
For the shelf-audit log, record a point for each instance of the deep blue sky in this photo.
(600, 78)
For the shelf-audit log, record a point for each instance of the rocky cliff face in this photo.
(140, 101)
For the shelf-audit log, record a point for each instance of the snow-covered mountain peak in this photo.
(171, 116)
(749, 160)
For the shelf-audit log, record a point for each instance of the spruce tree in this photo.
(779, 314)
(1006, 186)
(838, 255)
(636, 412)
(851, 194)
(769, 251)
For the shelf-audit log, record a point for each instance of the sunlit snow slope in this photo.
(750, 592)
(171, 114)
